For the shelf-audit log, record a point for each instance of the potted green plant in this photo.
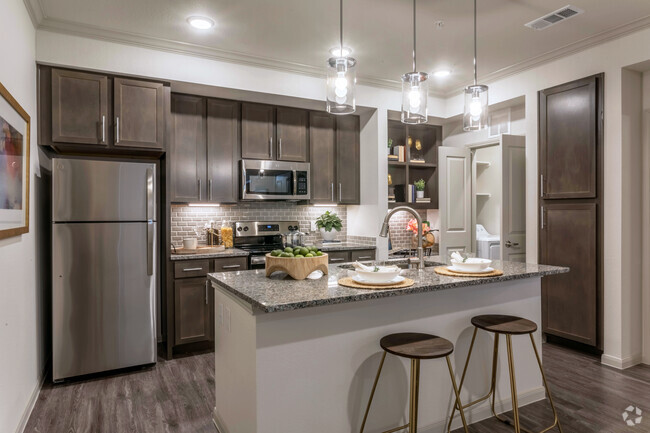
(327, 223)
(419, 188)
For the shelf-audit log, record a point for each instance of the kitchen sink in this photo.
(402, 264)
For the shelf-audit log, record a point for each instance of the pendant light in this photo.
(476, 98)
(341, 79)
(415, 90)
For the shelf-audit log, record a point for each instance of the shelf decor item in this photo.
(476, 98)
(329, 223)
(341, 78)
(427, 236)
(14, 166)
(415, 89)
(419, 187)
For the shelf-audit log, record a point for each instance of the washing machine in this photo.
(488, 245)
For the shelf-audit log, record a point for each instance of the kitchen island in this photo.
(300, 356)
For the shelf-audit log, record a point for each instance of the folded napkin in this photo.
(456, 256)
(363, 267)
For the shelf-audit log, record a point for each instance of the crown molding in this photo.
(567, 50)
(36, 12)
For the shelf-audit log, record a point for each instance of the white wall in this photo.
(645, 215)
(22, 360)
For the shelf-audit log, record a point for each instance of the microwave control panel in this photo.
(301, 178)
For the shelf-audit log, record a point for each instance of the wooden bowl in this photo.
(298, 268)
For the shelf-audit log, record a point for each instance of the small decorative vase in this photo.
(419, 194)
(328, 236)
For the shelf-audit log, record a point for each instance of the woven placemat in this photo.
(442, 270)
(349, 282)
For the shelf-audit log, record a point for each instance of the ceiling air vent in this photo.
(555, 17)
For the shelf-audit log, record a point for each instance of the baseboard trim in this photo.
(32, 401)
(483, 411)
(621, 363)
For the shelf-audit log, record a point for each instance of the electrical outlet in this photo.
(220, 315)
(226, 319)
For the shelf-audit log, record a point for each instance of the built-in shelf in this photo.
(483, 163)
(483, 194)
(396, 163)
(412, 205)
(422, 165)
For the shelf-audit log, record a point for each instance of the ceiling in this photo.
(297, 34)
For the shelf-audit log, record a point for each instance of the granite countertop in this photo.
(281, 293)
(343, 246)
(228, 252)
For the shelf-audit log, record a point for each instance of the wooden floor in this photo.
(178, 395)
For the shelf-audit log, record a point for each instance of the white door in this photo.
(513, 196)
(455, 195)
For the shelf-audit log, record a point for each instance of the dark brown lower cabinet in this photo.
(350, 256)
(569, 301)
(192, 314)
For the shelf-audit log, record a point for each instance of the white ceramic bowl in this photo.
(472, 264)
(384, 274)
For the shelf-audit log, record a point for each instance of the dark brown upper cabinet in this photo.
(334, 148)
(568, 139)
(347, 159)
(79, 108)
(222, 150)
(257, 131)
(188, 150)
(292, 133)
(139, 113)
(322, 141)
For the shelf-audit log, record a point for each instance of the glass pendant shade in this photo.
(415, 94)
(476, 107)
(341, 82)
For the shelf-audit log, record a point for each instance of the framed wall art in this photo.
(14, 166)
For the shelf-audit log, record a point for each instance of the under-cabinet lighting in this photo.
(325, 205)
(204, 204)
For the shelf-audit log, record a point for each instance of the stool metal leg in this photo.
(556, 422)
(513, 384)
(415, 394)
(457, 395)
(372, 393)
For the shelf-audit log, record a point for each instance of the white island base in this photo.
(311, 370)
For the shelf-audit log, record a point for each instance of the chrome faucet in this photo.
(384, 229)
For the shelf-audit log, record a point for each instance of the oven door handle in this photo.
(258, 260)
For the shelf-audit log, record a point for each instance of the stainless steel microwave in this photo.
(274, 180)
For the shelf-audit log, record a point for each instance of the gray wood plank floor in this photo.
(177, 396)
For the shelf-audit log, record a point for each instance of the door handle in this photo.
(541, 185)
(150, 237)
(271, 147)
(332, 191)
(340, 195)
(511, 244)
(150, 198)
(231, 267)
(210, 189)
(364, 257)
(103, 129)
(117, 129)
(200, 192)
(337, 259)
(206, 291)
(192, 269)
(279, 147)
(542, 216)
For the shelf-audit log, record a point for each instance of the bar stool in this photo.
(415, 346)
(509, 326)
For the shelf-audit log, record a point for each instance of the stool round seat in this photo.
(502, 324)
(415, 345)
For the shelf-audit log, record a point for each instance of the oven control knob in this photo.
(245, 229)
(239, 229)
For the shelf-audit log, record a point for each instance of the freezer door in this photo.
(103, 297)
(88, 190)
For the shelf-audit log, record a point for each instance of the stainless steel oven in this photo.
(274, 180)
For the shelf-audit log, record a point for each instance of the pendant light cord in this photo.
(414, 40)
(341, 27)
(475, 80)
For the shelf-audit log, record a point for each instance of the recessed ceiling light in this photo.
(201, 23)
(336, 51)
(442, 73)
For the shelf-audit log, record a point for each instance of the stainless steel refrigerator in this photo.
(104, 265)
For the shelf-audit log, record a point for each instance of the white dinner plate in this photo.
(398, 279)
(482, 271)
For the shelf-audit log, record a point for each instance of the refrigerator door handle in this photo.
(150, 237)
(150, 195)
(150, 217)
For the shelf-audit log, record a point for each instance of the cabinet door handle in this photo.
(340, 195)
(337, 259)
(541, 185)
(200, 192)
(117, 129)
(271, 147)
(231, 267)
(332, 191)
(206, 291)
(210, 189)
(192, 269)
(279, 147)
(364, 257)
(103, 129)
(542, 210)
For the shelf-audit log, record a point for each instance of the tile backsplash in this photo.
(399, 236)
(185, 219)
